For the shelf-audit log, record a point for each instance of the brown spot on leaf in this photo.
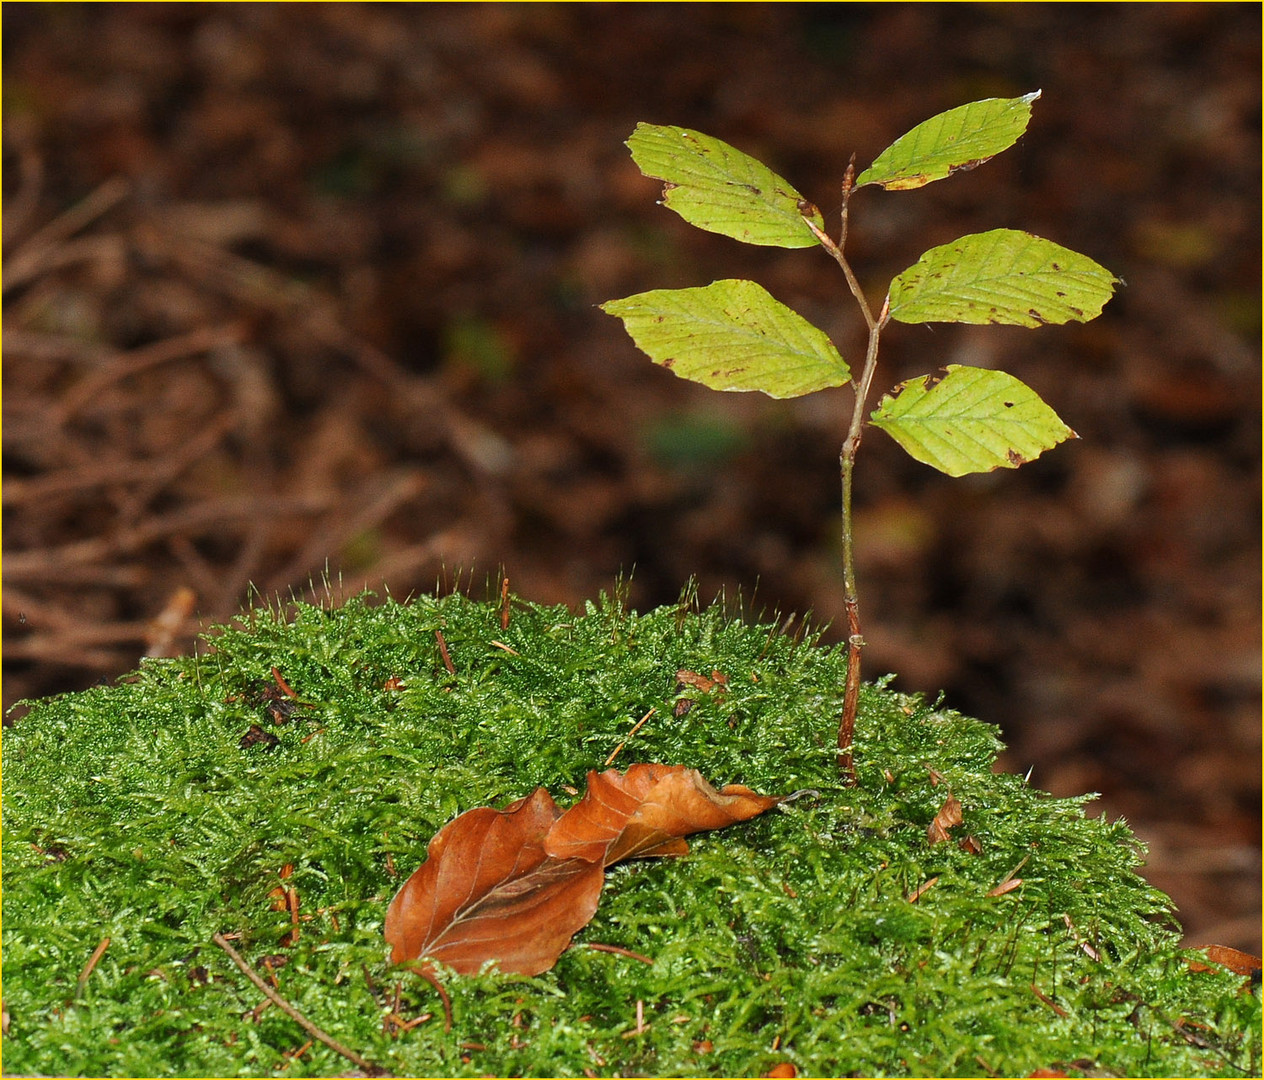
(907, 183)
(1015, 458)
(966, 166)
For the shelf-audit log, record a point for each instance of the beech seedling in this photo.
(734, 335)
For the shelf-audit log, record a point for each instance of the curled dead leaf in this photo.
(646, 812)
(948, 817)
(1237, 961)
(515, 885)
(489, 891)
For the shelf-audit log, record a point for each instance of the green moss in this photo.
(134, 813)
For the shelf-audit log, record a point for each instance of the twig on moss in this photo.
(619, 951)
(635, 728)
(293, 1013)
(433, 980)
(284, 687)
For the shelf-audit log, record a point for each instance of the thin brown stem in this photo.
(433, 980)
(97, 953)
(847, 461)
(851, 596)
(619, 951)
(293, 1013)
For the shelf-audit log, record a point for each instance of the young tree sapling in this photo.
(734, 335)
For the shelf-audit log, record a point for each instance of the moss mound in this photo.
(151, 813)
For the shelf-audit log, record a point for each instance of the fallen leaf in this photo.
(515, 885)
(646, 812)
(948, 817)
(489, 891)
(700, 682)
(1237, 961)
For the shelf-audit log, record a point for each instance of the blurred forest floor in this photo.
(290, 288)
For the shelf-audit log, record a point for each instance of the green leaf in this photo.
(970, 420)
(953, 141)
(731, 335)
(1004, 276)
(718, 188)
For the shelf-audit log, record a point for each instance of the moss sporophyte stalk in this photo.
(733, 335)
(201, 861)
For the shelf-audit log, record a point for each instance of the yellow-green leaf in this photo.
(1003, 276)
(718, 188)
(953, 141)
(731, 335)
(970, 420)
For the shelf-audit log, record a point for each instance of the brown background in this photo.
(293, 286)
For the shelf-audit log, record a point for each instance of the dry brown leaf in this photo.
(1237, 961)
(949, 817)
(646, 812)
(489, 891)
(515, 885)
(684, 677)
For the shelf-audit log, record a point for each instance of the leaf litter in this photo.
(514, 886)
